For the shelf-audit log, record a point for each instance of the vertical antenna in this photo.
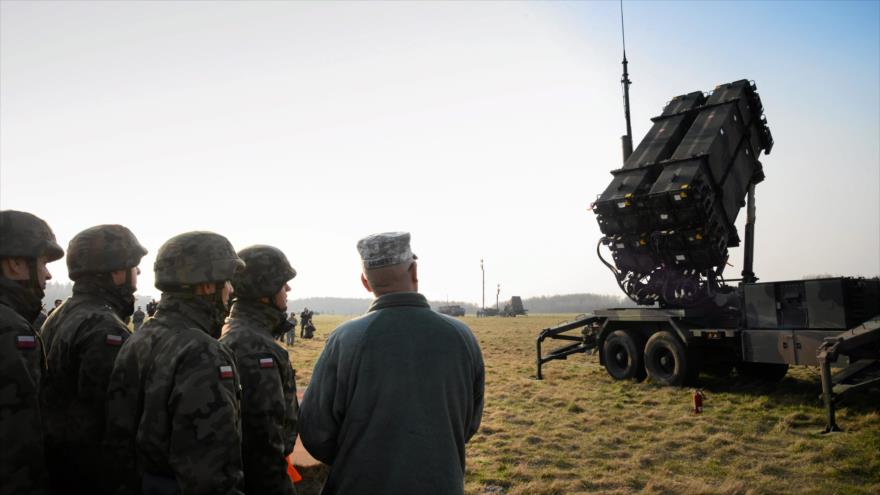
(627, 139)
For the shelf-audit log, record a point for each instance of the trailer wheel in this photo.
(624, 359)
(770, 372)
(667, 360)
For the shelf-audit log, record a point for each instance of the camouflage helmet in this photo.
(266, 272)
(103, 249)
(28, 236)
(195, 258)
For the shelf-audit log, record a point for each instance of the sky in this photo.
(485, 129)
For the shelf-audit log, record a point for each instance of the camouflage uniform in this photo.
(269, 406)
(22, 362)
(173, 401)
(82, 339)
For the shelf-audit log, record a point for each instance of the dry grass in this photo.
(579, 431)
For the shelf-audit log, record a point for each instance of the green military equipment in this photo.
(451, 310)
(195, 258)
(103, 249)
(28, 236)
(266, 272)
(514, 307)
(668, 218)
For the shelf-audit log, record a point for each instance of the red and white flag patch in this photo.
(113, 340)
(26, 342)
(267, 363)
(226, 372)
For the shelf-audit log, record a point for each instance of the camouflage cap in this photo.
(385, 249)
(103, 249)
(195, 258)
(28, 236)
(266, 272)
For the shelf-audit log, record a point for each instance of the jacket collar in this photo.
(396, 299)
(262, 316)
(194, 309)
(21, 299)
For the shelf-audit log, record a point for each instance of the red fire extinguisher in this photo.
(698, 401)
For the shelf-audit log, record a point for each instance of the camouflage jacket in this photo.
(82, 340)
(22, 363)
(173, 401)
(268, 406)
(393, 399)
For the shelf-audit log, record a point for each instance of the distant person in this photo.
(27, 245)
(396, 393)
(82, 339)
(173, 423)
(268, 387)
(53, 308)
(291, 333)
(305, 319)
(137, 318)
(151, 307)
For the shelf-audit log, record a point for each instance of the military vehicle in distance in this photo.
(451, 310)
(668, 220)
(514, 307)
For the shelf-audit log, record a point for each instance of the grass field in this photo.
(579, 431)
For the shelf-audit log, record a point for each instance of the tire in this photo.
(623, 356)
(668, 362)
(769, 372)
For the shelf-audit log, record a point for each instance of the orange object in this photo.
(698, 401)
(295, 477)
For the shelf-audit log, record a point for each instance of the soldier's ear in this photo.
(15, 268)
(205, 289)
(414, 273)
(366, 283)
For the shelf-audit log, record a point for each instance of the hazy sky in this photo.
(484, 128)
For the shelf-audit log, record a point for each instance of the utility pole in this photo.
(484, 282)
(497, 293)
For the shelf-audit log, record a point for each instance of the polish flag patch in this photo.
(26, 342)
(113, 340)
(267, 363)
(226, 372)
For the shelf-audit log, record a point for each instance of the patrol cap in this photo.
(385, 249)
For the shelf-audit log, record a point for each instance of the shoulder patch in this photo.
(267, 363)
(113, 340)
(26, 342)
(226, 372)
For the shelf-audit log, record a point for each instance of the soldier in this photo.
(397, 392)
(57, 303)
(305, 318)
(173, 423)
(27, 244)
(268, 403)
(82, 339)
(137, 319)
(151, 307)
(290, 334)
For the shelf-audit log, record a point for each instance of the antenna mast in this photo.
(627, 140)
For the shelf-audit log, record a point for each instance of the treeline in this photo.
(568, 303)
